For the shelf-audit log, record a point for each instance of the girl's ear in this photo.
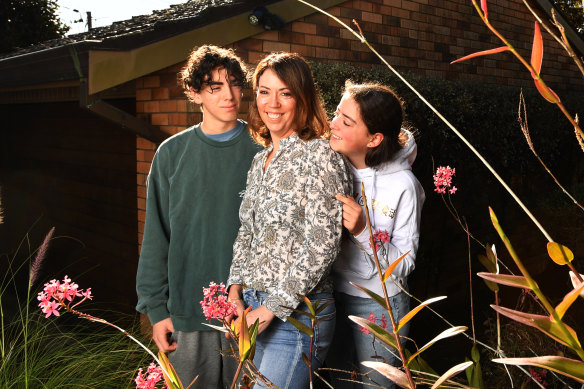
(375, 140)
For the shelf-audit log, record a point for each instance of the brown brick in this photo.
(372, 17)
(151, 81)
(316, 40)
(143, 167)
(140, 230)
(144, 144)
(152, 106)
(141, 179)
(270, 47)
(316, 18)
(328, 53)
(326, 30)
(141, 203)
(400, 13)
(160, 94)
(168, 106)
(346, 34)
(143, 94)
(250, 44)
(177, 119)
(306, 51)
(141, 215)
(292, 37)
(271, 35)
(144, 155)
(169, 80)
(139, 83)
(410, 6)
(141, 191)
(159, 119)
(351, 13)
(307, 28)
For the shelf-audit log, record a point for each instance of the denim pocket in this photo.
(325, 329)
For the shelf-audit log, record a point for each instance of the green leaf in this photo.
(568, 367)
(559, 253)
(475, 354)
(414, 311)
(392, 267)
(301, 326)
(506, 279)
(454, 370)
(323, 306)
(380, 300)
(568, 301)
(443, 335)
(492, 257)
(490, 266)
(391, 372)
(476, 376)
(542, 323)
(382, 334)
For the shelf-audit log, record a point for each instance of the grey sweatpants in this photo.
(198, 353)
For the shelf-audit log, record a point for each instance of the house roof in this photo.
(144, 29)
(113, 55)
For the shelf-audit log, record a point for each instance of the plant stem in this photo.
(384, 288)
(237, 373)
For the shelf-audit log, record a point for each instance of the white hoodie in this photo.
(395, 198)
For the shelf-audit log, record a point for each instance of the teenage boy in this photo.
(192, 207)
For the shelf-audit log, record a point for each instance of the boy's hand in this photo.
(161, 333)
(353, 217)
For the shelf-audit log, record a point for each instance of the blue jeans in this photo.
(279, 349)
(350, 346)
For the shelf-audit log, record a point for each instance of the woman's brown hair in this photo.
(310, 116)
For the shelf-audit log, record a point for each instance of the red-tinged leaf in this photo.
(454, 370)
(484, 8)
(392, 267)
(480, 53)
(536, 51)
(391, 372)
(492, 269)
(444, 334)
(380, 333)
(569, 367)
(576, 282)
(569, 300)
(506, 279)
(546, 92)
(171, 378)
(559, 253)
(542, 323)
(414, 311)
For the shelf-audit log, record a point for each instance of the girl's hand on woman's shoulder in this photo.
(353, 217)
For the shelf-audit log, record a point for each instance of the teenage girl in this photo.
(367, 129)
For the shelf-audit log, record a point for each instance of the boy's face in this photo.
(219, 98)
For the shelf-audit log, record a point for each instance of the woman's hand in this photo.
(262, 313)
(234, 296)
(353, 217)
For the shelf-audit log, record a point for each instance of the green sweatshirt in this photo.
(192, 207)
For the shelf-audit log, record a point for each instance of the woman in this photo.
(290, 221)
(367, 129)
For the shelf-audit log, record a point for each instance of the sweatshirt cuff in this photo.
(363, 238)
(158, 314)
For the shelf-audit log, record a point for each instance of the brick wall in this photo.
(419, 36)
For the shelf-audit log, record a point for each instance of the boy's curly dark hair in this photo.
(203, 61)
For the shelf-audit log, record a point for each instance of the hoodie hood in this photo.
(403, 159)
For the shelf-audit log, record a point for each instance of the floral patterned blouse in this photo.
(291, 222)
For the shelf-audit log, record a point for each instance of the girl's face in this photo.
(349, 134)
(276, 105)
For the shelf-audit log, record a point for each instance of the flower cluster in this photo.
(215, 304)
(380, 237)
(443, 180)
(152, 377)
(382, 322)
(539, 376)
(57, 294)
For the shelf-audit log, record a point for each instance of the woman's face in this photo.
(349, 134)
(276, 105)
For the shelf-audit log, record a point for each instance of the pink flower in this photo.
(152, 377)
(443, 180)
(215, 304)
(373, 319)
(57, 295)
(380, 237)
